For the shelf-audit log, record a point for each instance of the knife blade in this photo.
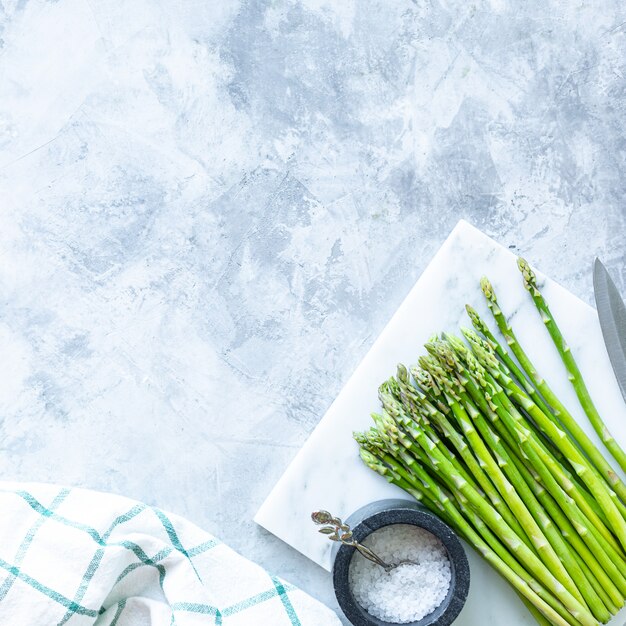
(612, 315)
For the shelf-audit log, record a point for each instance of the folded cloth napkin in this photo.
(73, 556)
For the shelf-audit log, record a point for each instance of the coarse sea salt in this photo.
(408, 592)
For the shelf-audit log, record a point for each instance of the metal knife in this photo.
(612, 314)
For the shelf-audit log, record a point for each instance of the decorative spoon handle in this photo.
(337, 530)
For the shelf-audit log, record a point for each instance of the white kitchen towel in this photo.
(73, 556)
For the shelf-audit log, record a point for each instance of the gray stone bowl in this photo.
(383, 513)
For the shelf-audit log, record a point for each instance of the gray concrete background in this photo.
(211, 209)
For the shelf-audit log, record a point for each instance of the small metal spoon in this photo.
(337, 530)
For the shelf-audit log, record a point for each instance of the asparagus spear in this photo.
(568, 421)
(530, 282)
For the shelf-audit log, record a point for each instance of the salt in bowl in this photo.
(377, 515)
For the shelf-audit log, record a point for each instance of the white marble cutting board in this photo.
(327, 472)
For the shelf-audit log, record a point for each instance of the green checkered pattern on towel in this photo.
(73, 556)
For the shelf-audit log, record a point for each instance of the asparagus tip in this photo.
(358, 436)
(402, 373)
(476, 320)
(423, 378)
(456, 344)
(530, 280)
(471, 311)
(468, 333)
(368, 458)
(487, 288)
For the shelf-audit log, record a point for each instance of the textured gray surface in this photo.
(210, 210)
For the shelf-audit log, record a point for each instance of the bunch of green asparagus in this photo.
(477, 435)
